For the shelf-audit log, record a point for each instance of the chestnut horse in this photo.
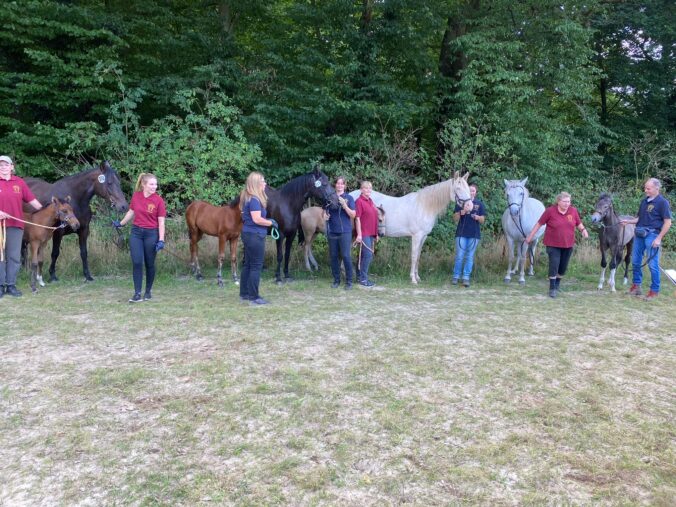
(222, 221)
(55, 216)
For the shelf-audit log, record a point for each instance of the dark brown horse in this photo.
(42, 227)
(224, 222)
(81, 187)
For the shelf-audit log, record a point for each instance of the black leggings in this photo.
(558, 260)
(142, 247)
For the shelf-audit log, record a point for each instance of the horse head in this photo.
(107, 186)
(516, 193)
(603, 208)
(381, 220)
(64, 212)
(321, 188)
(460, 189)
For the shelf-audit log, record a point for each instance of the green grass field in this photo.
(428, 395)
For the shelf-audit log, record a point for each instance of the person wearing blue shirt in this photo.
(252, 202)
(339, 234)
(467, 235)
(653, 222)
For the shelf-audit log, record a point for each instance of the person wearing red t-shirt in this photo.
(13, 193)
(148, 213)
(561, 220)
(366, 223)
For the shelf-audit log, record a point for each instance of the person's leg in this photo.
(470, 247)
(366, 258)
(150, 239)
(12, 264)
(334, 254)
(459, 257)
(345, 247)
(566, 254)
(653, 263)
(256, 254)
(554, 261)
(637, 260)
(136, 252)
(246, 266)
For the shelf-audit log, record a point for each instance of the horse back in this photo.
(214, 220)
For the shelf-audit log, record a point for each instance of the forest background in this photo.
(578, 96)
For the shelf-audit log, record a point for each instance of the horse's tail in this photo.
(301, 234)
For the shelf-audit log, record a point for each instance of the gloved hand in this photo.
(274, 225)
(117, 224)
(159, 246)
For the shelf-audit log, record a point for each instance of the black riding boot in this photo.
(553, 291)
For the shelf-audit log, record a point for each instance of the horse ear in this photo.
(466, 176)
(506, 182)
(524, 181)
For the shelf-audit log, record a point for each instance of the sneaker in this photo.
(136, 298)
(651, 294)
(335, 285)
(147, 296)
(258, 301)
(635, 290)
(367, 283)
(465, 283)
(553, 293)
(454, 281)
(348, 286)
(13, 291)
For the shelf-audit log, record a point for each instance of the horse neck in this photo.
(80, 186)
(45, 216)
(294, 192)
(435, 198)
(611, 218)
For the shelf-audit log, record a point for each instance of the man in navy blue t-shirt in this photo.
(653, 222)
(467, 235)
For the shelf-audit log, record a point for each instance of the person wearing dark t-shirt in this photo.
(13, 193)
(653, 222)
(366, 223)
(148, 212)
(252, 202)
(467, 236)
(561, 220)
(339, 234)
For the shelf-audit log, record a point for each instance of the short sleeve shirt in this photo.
(147, 210)
(467, 226)
(253, 204)
(13, 193)
(651, 214)
(367, 215)
(560, 232)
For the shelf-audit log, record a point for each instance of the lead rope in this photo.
(3, 236)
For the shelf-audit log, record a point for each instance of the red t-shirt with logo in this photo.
(147, 210)
(367, 213)
(560, 231)
(13, 193)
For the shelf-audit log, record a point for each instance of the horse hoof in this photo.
(41, 283)
(89, 279)
(53, 278)
(288, 279)
(522, 283)
(220, 283)
(507, 280)
(199, 278)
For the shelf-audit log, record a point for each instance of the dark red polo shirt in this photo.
(560, 231)
(147, 210)
(13, 193)
(367, 213)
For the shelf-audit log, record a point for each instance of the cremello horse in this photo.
(415, 214)
(518, 220)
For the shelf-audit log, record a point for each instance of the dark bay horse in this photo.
(41, 229)
(222, 221)
(81, 187)
(285, 205)
(613, 237)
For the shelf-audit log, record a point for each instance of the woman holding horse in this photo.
(366, 223)
(339, 234)
(13, 193)
(252, 201)
(148, 212)
(561, 220)
(469, 218)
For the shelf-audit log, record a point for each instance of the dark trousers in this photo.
(142, 247)
(254, 253)
(558, 260)
(339, 248)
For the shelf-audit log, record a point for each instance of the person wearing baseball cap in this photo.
(13, 193)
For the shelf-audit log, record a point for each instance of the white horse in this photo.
(518, 220)
(415, 214)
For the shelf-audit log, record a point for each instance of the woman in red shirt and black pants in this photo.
(147, 234)
(561, 221)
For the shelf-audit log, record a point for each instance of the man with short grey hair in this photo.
(653, 222)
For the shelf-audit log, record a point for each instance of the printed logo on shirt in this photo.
(569, 217)
(650, 208)
(151, 208)
(17, 189)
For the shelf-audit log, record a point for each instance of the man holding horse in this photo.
(653, 222)
(13, 193)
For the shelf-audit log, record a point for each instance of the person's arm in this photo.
(128, 217)
(583, 230)
(625, 221)
(36, 204)
(259, 220)
(533, 232)
(160, 227)
(346, 207)
(665, 227)
(357, 224)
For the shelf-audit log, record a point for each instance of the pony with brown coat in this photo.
(225, 222)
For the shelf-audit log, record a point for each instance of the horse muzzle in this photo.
(382, 230)
(514, 209)
(595, 218)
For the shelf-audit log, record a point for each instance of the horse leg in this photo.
(82, 235)
(195, 237)
(523, 251)
(287, 257)
(35, 252)
(510, 258)
(603, 270)
(278, 275)
(416, 243)
(616, 260)
(56, 247)
(627, 260)
(221, 258)
(233, 260)
(530, 251)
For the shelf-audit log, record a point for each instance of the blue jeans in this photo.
(339, 248)
(142, 247)
(640, 246)
(464, 253)
(366, 258)
(254, 253)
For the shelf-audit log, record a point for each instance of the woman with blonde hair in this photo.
(148, 212)
(252, 202)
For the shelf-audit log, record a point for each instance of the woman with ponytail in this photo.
(148, 213)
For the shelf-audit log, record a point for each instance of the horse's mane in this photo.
(605, 195)
(296, 186)
(435, 198)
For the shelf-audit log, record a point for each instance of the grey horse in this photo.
(519, 218)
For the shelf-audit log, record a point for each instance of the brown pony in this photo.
(224, 222)
(312, 222)
(57, 214)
